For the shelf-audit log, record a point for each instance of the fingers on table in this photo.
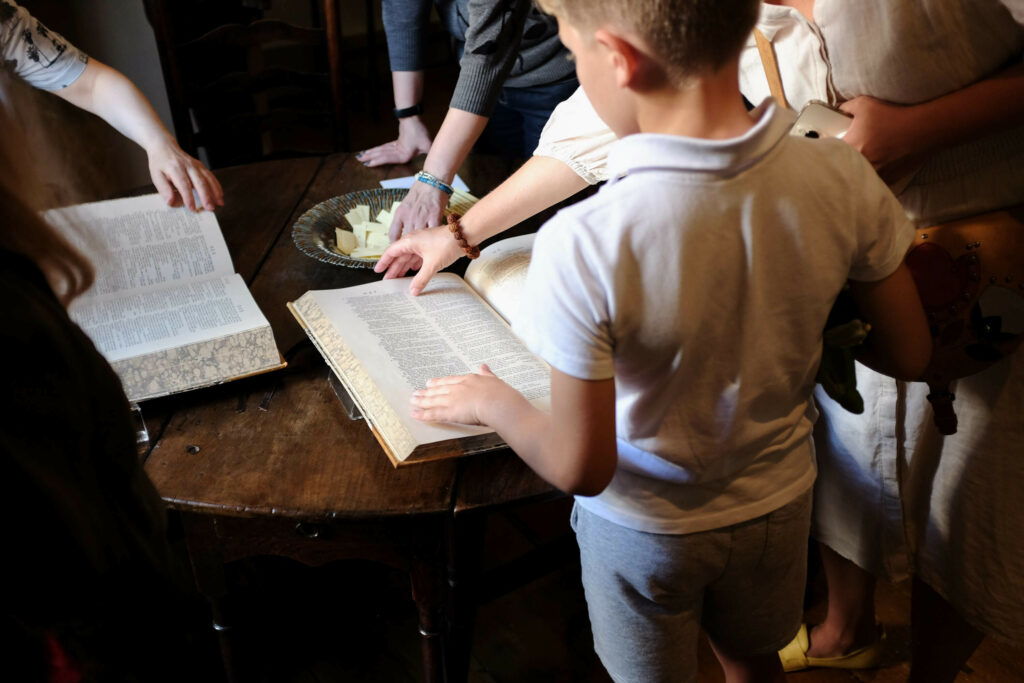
(210, 194)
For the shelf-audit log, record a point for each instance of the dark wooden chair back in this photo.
(245, 87)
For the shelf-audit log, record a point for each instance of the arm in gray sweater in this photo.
(405, 23)
(493, 38)
(502, 39)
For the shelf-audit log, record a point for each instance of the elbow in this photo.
(590, 486)
(907, 360)
(913, 354)
(590, 477)
(912, 366)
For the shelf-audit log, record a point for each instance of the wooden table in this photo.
(272, 465)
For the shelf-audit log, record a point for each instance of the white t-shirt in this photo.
(700, 279)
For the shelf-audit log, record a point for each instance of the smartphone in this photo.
(818, 120)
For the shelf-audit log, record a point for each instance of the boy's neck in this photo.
(709, 107)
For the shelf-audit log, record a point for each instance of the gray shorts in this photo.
(648, 595)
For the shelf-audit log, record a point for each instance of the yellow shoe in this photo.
(794, 656)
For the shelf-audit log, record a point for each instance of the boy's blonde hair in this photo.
(690, 37)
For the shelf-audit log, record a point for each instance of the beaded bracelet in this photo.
(456, 229)
(434, 181)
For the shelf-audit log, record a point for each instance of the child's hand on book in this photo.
(428, 250)
(466, 399)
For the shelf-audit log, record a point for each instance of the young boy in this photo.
(681, 310)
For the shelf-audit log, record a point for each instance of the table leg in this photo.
(427, 577)
(464, 545)
(208, 569)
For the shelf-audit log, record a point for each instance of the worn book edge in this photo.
(385, 425)
(178, 369)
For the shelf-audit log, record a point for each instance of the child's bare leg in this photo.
(756, 669)
(850, 619)
(941, 641)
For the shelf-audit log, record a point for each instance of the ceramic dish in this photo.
(313, 232)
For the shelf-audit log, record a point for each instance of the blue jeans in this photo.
(519, 117)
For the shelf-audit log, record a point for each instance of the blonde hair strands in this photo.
(689, 37)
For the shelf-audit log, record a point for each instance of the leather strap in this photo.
(771, 67)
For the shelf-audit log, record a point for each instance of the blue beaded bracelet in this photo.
(434, 181)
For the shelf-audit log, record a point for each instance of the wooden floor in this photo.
(356, 622)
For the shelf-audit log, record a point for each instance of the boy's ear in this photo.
(626, 59)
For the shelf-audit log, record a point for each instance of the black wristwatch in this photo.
(414, 110)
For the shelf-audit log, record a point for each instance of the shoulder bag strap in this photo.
(771, 67)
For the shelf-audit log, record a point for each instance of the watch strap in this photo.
(406, 112)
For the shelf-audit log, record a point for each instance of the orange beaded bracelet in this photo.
(456, 229)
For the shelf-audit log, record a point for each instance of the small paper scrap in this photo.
(368, 237)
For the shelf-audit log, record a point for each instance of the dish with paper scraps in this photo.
(352, 229)
(316, 232)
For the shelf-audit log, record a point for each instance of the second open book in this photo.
(167, 309)
(383, 344)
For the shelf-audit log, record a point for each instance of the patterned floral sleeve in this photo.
(38, 55)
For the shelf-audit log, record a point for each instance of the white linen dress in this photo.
(893, 494)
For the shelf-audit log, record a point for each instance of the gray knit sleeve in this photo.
(492, 44)
(405, 24)
(38, 55)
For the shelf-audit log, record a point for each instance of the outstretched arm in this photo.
(405, 29)
(424, 205)
(572, 447)
(413, 136)
(539, 183)
(492, 36)
(107, 93)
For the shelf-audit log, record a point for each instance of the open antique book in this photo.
(383, 344)
(167, 309)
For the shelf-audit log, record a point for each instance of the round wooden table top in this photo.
(281, 444)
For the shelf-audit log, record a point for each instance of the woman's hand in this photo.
(107, 93)
(413, 140)
(466, 399)
(422, 207)
(176, 174)
(886, 134)
(428, 250)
